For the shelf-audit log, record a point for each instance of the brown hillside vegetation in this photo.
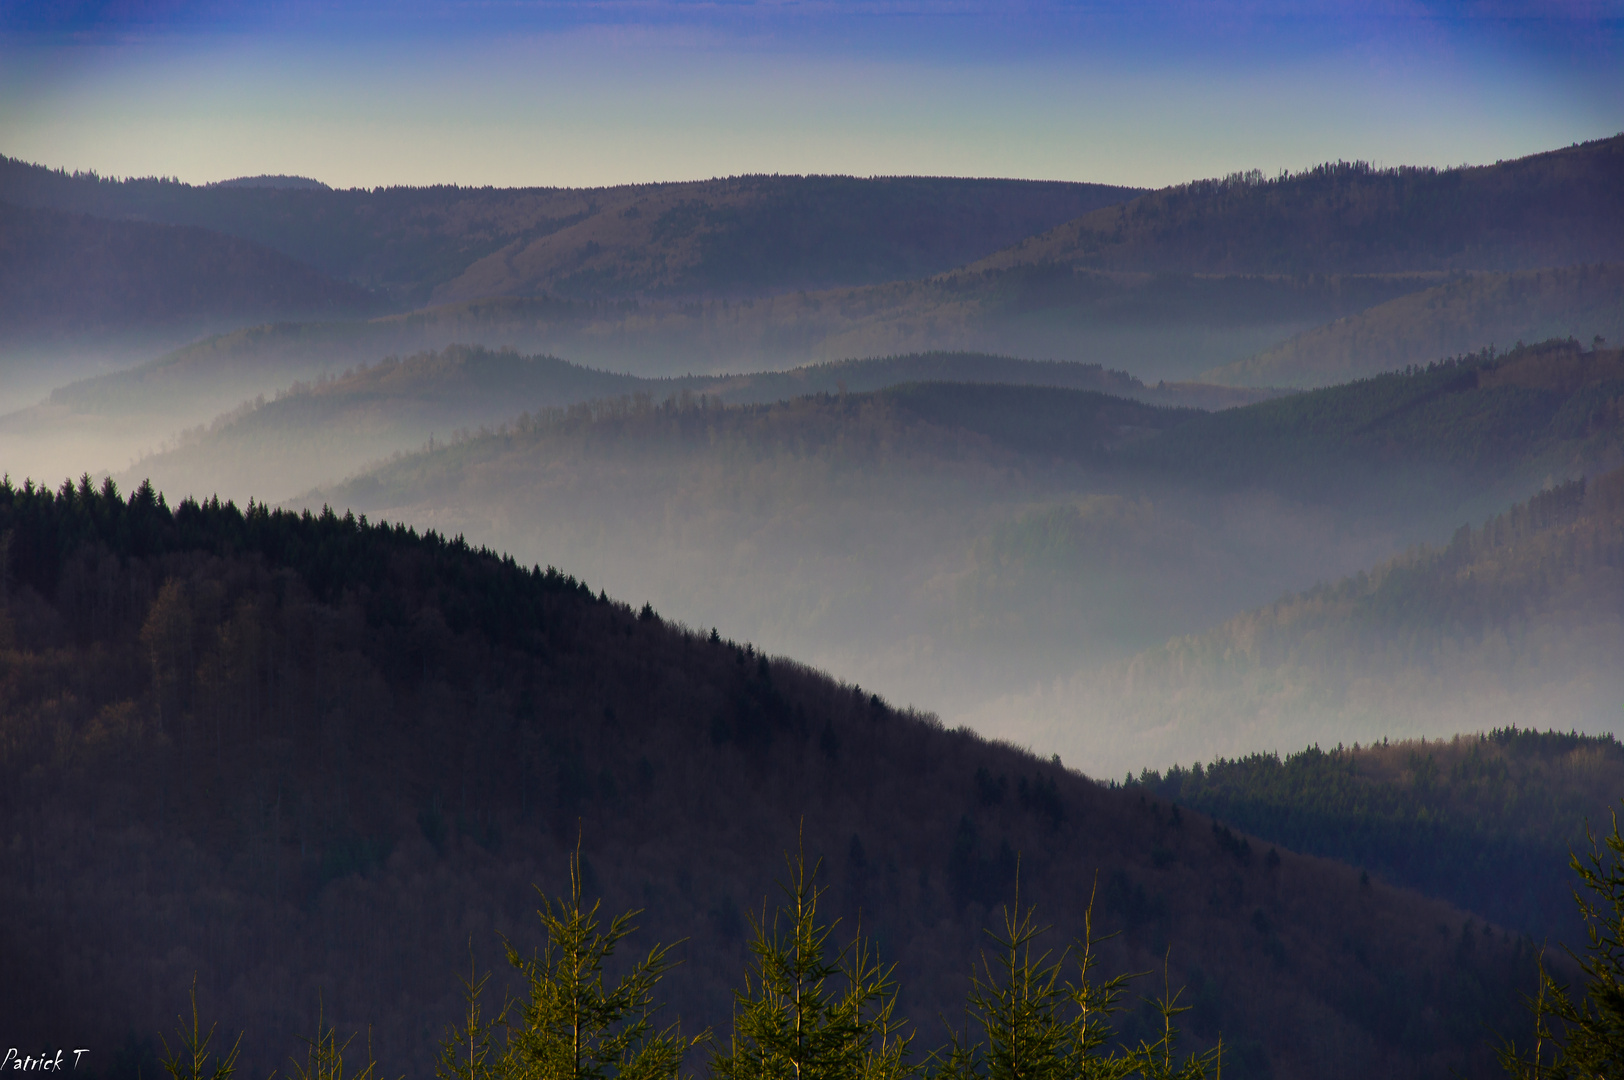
(309, 759)
(1523, 617)
(1552, 209)
(740, 235)
(65, 275)
(1472, 313)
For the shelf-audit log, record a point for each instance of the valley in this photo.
(364, 553)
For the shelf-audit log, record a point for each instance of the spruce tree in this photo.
(191, 1060)
(1037, 1025)
(469, 1050)
(808, 1011)
(1583, 1038)
(573, 1026)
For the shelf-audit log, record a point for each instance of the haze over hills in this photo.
(1552, 209)
(74, 288)
(263, 754)
(1465, 315)
(305, 754)
(1160, 328)
(318, 433)
(963, 544)
(1520, 619)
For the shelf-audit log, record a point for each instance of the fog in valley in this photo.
(1233, 569)
(1011, 491)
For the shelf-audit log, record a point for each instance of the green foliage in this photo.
(324, 1056)
(574, 1025)
(1038, 1025)
(469, 1051)
(1583, 1038)
(191, 1059)
(808, 1011)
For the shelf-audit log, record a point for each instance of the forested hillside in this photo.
(322, 432)
(72, 276)
(1552, 209)
(306, 760)
(1486, 820)
(1159, 328)
(1468, 315)
(743, 235)
(1520, 618)
(1537, 411)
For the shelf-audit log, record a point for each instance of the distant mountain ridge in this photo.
(742, 235)
(70, 275)
(1465, 315)
(302, 183)
(320, 433)
(1551, 209)
(1546, 410)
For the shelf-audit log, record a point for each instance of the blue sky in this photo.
(514, 92)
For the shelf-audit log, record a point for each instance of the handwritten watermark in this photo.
(44, 1061)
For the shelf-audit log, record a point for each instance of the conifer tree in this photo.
(1583, 1039)
(1039, 1026)
(324, 1055)
(807, 1013)
(576, 1027)
(191, 1060)
(469, 1050)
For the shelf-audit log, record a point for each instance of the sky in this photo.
(533, 92)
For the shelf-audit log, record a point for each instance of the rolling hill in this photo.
(302, 761)
(1466, 315)
(73, 276)
(1551, 209)
(1483, 820)
(954, 545)
(1164, 328)
(321, 432)
(1520, 619)
(743, 235)
(1533, 413)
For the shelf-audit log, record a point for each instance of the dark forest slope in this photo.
(738, 235)
(302, 755)
(69, 275)
(1552, 209)
(1486, 820)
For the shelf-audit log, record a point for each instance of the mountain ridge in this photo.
(1553, 208)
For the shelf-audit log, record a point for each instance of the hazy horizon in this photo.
(593, 94)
